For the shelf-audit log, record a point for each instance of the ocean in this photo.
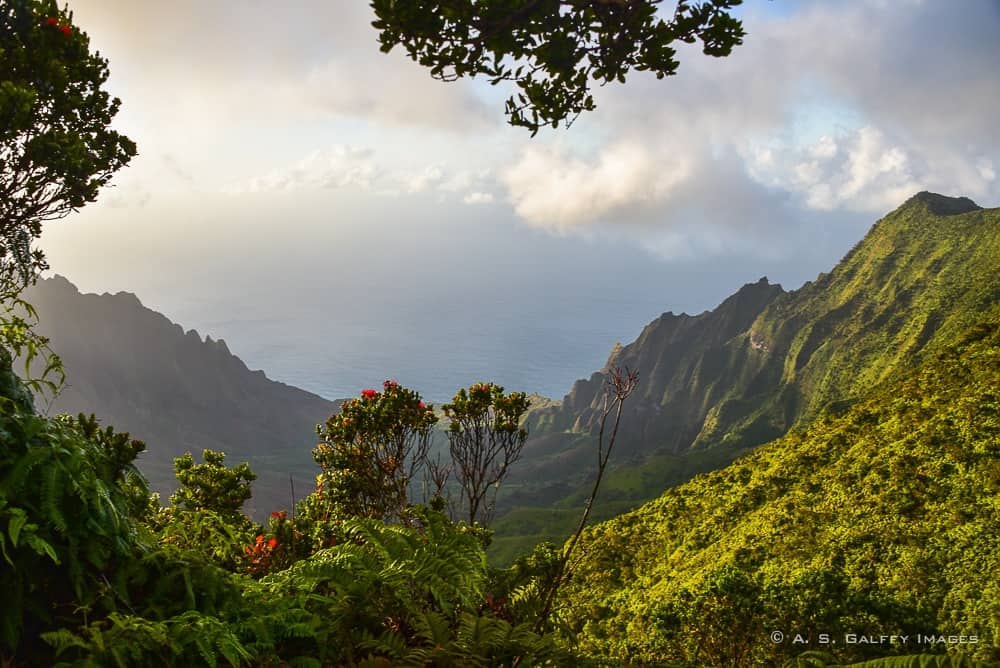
(540, 347)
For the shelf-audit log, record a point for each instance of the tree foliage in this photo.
(211, 486)
(18, 340)
(67, 495)
(95, 575)
(552, 50)
(370, 450)
(56, 145)
(904, 542)
(485, 438)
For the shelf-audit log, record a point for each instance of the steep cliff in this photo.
(765, 359)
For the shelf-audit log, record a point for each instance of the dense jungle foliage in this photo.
(872, 535)
(97, 573)
(878, 520)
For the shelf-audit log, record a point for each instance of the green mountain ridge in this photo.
(721, 377)
(851, 429)
(716, 385)
(883, 519)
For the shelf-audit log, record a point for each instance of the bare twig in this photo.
(621, 383)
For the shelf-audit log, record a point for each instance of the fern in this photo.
(125, 640)
(396, 595)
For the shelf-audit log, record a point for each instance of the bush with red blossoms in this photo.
(370, 451)
(260, 555)
(276, 548)
(54, 22)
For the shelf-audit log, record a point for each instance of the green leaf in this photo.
(41, 546)
(18, 519)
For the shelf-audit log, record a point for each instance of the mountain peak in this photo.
(616, 352)
(59, 282)
(752, 292)
(942, 205)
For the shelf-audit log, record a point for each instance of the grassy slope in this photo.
(519, 530)
(892, 507)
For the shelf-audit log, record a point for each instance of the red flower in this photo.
(272, 543)
(390, 383)
(279, 515)
(52, 21)
(260, 539)
(66, 30)
(421, 405)
(369, 394)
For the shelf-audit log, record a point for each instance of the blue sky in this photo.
(278, 148)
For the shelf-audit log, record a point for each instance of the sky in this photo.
(285, 163)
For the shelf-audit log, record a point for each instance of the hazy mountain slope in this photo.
(140, 372)
(686, 366)
(886, 517)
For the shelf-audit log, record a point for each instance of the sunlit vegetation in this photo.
(883, 519)
(869, 533)
(97, 573)
(877, 520)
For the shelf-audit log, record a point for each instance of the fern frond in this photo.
(53, 479)
(63, 639)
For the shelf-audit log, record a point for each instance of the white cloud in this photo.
(392, 89)
(985, 168)
(355, 168)
(821, 197)
(828, 107)
(335, 168)
(807, 173)
(464, 180)
(233, 59)
(873, 165)
(552, 189)
(866, 173)
(478, 198)
(824, 149)
(855, 123)
(423, 179)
